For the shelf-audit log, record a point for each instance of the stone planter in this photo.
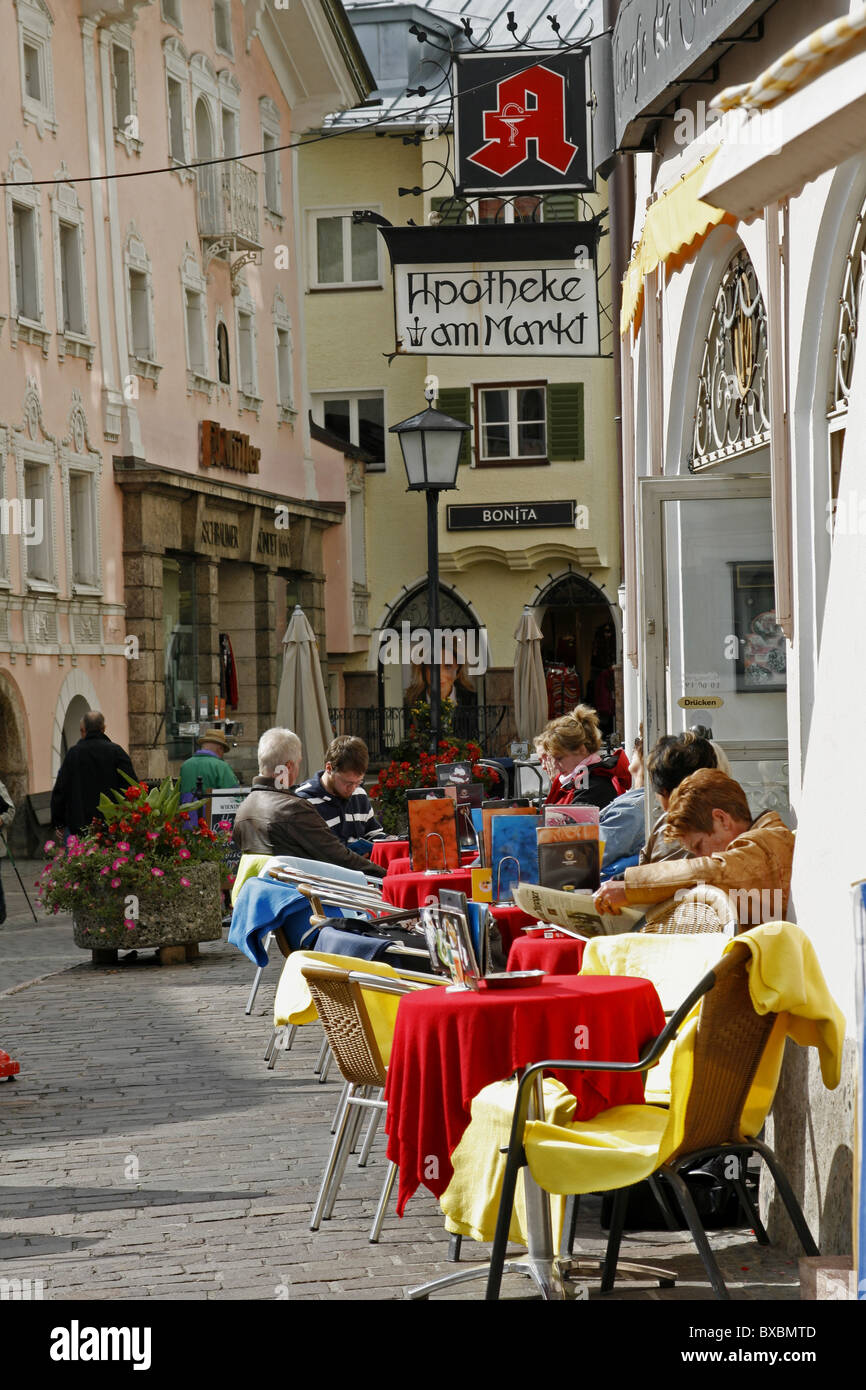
(175, 926)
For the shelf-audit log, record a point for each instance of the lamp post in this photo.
(431, 442)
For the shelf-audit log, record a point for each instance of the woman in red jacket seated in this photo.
(580, 775)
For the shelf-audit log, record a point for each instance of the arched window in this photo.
(850, 309)
(223, 360)
(732, 415)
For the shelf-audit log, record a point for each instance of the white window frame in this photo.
(269, 126)
(34, 28)
(66, 211)
(229, 92)
(26, 330)
(313, 217)
(247, 400)
(176, 60)
(226, 7)
(33, 444)
(195, 282)
(129, 134)
(317, 402)
(285, 390)
(513, 459)
(135, 258)
(79, 458)
(173, 16)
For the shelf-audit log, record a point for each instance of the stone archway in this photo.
(77, 695)
(14, 759)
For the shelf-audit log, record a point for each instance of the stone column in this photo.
(207, 625)
(145, 684)
(267, 659)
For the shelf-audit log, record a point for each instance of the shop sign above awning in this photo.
(676, 226)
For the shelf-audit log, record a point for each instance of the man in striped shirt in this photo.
(337, 793)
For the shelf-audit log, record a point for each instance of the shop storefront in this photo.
(212, 570)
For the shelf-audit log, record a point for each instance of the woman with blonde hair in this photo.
(581, 776)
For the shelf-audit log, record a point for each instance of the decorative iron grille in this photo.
(850, 307)
(732, 415)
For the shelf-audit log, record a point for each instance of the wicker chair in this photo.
(730, 1042)
(361, 1054)
(700, 909)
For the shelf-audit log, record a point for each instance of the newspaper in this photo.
(574, 910)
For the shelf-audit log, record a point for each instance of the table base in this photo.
(552, 1275)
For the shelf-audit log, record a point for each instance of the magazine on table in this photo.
(449, 943)
(574, 910)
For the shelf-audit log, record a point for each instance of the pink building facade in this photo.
(162, 504)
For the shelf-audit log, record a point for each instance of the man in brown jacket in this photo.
(272, 820)
(751, 860)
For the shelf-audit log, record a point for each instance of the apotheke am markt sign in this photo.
(514, 291)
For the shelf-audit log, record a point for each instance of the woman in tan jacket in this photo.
(750, 859)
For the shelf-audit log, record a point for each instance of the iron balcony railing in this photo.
(228, 204)
(383, 729)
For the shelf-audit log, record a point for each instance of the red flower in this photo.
(136, 818)
(132, 793)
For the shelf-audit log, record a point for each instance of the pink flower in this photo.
(49, 846)
(186, 883)
(115, 883)
(104, 871)
(153, 834)
(224, 825)
(183, 854)
(122, 844)
(158, 873)
(130, 926)
(138, 858)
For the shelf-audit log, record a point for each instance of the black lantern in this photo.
(431, 444)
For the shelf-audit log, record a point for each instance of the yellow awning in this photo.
(676, 225)
(800, 64)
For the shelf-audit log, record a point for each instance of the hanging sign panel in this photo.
(511, 296)
(522, 124)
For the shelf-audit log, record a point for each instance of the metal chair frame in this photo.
(365, 1075)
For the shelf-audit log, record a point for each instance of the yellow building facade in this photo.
(561, 407)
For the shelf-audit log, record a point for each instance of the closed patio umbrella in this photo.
(530, 688)
(301, 704)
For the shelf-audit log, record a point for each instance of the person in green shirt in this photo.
(208, 765)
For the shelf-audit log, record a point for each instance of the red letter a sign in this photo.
(531, 106)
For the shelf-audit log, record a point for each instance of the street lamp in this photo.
(431, 443)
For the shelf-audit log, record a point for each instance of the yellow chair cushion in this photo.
(293, 1003)
(250, 866)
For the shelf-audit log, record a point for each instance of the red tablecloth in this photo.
(384, 851)
(412, 890)
(448, 1047)
(558, 955)
(511, 919)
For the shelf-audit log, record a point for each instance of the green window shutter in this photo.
(452, 211)
(456, 401)
(565, 421)
(560, 207)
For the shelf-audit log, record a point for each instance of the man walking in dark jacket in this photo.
(92, 766)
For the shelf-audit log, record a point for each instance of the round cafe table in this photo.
(403, 865)
(558, 955)
(449, 1045)
(384, 851)
(413, 890)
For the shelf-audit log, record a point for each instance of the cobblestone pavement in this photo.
(29, 949)
(148, 1153)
